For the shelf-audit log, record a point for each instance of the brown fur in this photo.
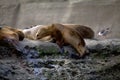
(84, 31)
(18, 31)
(63, 35)
(10, 35)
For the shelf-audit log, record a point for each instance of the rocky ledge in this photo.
(37, 60)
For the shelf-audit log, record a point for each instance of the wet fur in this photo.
(18, 31)
(64, 35)
(11, 36)
(84, 31)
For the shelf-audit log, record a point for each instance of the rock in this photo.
(38, 48)
(104, 47)
(101, 64)
(35, 49)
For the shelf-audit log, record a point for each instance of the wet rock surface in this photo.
(34, 63)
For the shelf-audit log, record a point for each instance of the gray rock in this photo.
(102, 46)
(60, 67)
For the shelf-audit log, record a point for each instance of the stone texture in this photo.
(9, 10)
(102, 63)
